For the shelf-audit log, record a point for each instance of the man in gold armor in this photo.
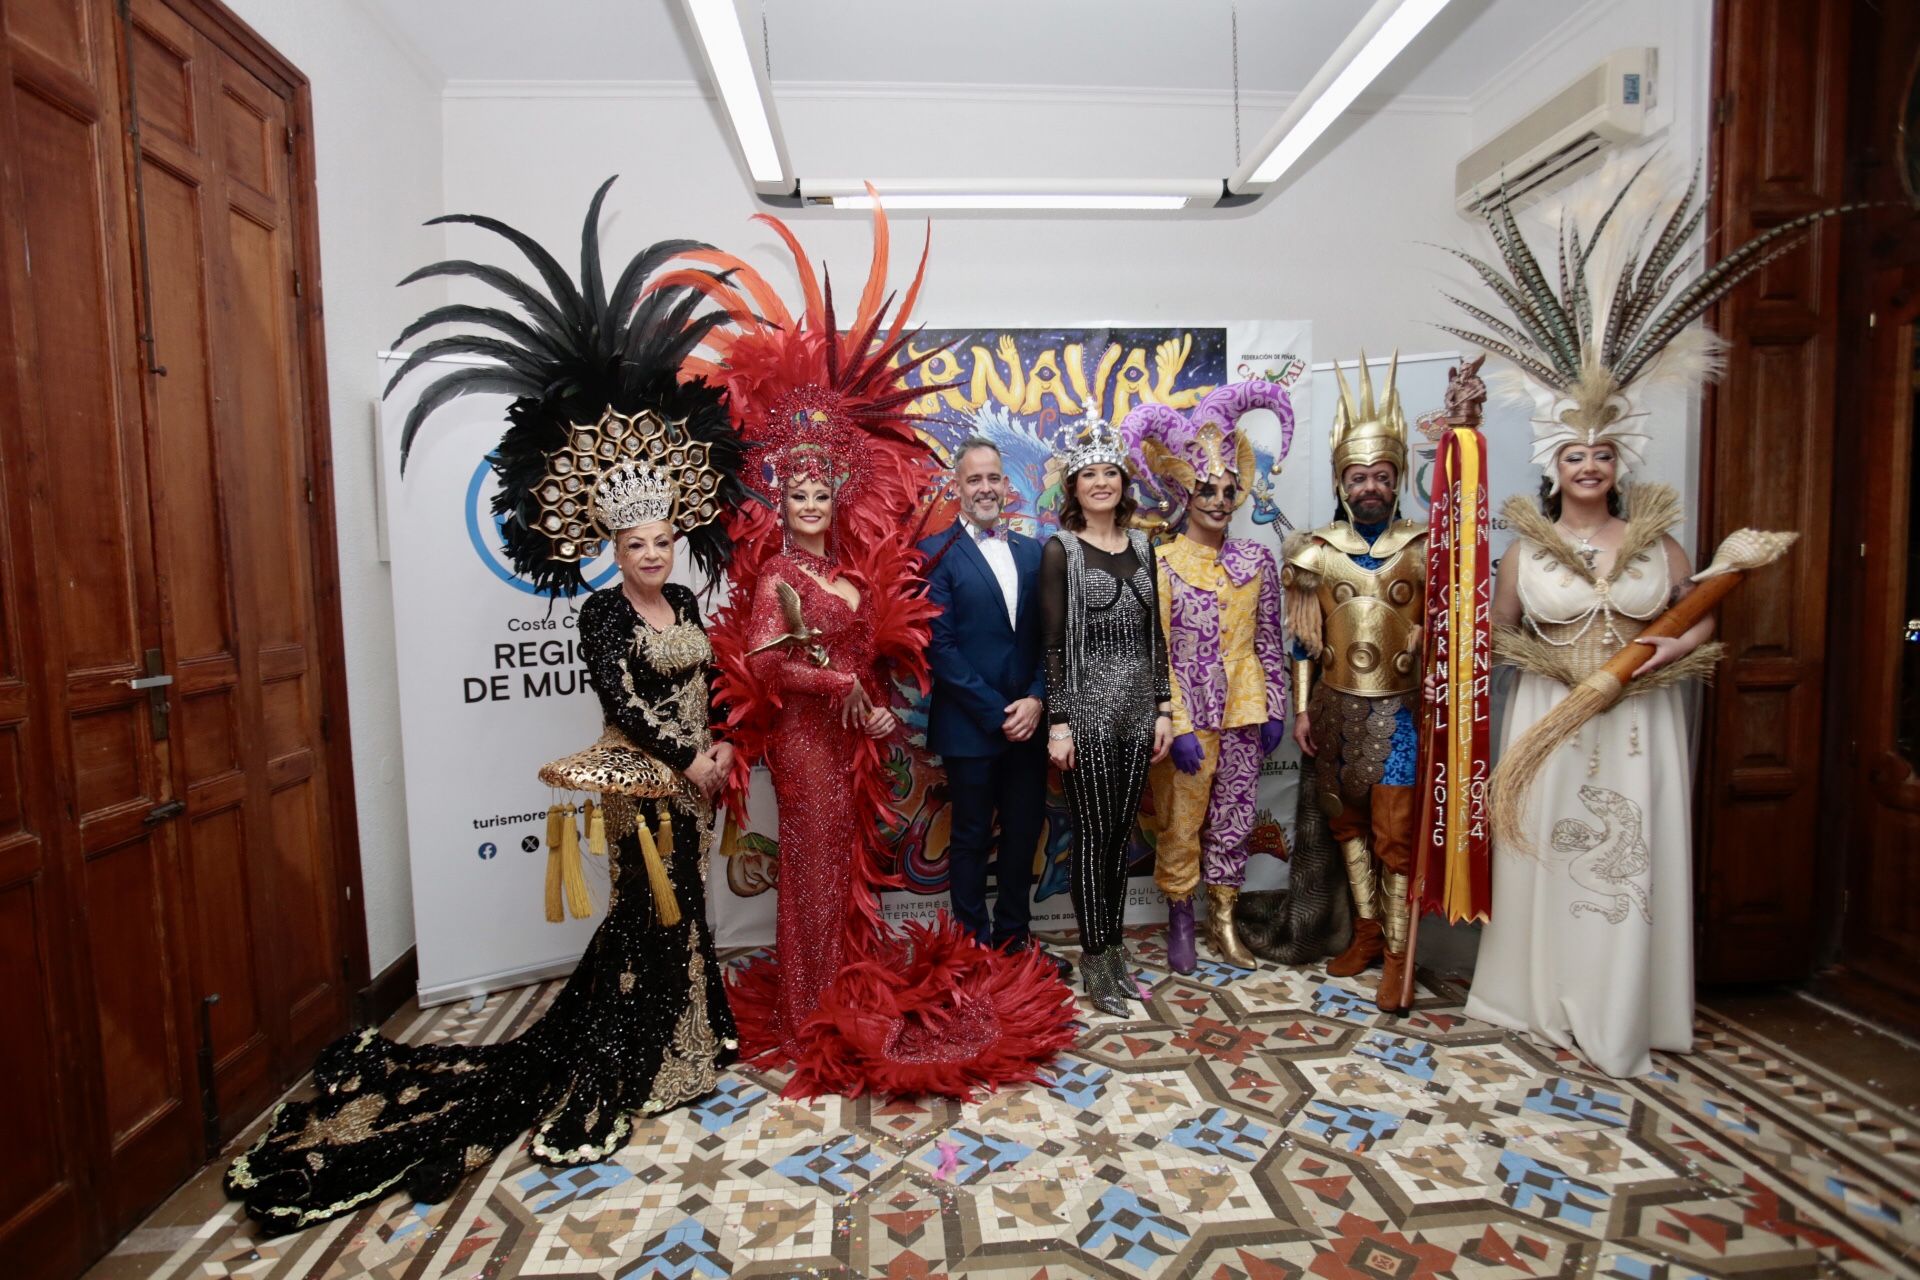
(1355, 591)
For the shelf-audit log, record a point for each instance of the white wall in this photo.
(377, 146)
(1682, 31)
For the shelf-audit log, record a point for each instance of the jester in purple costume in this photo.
(1221, 606)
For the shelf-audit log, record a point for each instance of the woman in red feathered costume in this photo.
(825, 610)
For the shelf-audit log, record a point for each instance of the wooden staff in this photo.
(1743, 551)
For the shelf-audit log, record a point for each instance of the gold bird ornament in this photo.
(798, 633)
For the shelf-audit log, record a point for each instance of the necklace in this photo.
(825, 567)
(1583, 543)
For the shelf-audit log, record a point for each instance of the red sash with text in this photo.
(1455, 754)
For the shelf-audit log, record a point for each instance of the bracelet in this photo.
(1060, 733)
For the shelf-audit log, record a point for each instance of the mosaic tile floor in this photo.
(1246, 1127)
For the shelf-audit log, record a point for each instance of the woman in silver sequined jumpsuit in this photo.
(1108, 702)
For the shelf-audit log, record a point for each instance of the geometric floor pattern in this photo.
(1244, 1127)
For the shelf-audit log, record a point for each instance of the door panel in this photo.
(28, 1063)
(265, 437)
(139, 1050)
(86, 491)
(47, 1223)
(1778, 79)
(221, 880)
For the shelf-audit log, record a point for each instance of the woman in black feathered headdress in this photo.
(604, 442)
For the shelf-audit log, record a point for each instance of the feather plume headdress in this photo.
(812, 401)
(602, 430)
(1613, 320)
(1183, 449)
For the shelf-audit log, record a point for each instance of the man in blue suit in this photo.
(988, 690)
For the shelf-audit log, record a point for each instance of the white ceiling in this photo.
(1059, 44)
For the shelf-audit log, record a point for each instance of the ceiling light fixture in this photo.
(1013, 194)
(743, 91)
(1375, 41)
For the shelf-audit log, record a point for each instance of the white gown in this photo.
(1590, 943)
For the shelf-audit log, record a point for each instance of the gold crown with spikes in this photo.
(1365, 433)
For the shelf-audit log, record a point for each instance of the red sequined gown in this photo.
(852, 1006)
(808, 751)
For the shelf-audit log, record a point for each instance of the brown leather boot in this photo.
(1393, 811)
(1393, 971)
(1368, 941)
(1395, 913)
(1368, 945)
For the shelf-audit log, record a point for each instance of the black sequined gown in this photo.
(1106, 673)
(641, 1027)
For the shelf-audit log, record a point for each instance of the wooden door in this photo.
(228, 443)
(171, 875)
(1767, 463)
(1874, 728)
(102, 895)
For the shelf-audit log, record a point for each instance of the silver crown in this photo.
(630, 494)
(1098, 443)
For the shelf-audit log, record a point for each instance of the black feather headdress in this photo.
(595, 377)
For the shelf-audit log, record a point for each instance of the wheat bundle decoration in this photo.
(1740, 554)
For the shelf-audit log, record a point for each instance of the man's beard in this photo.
(1371, 510)
(981, 509)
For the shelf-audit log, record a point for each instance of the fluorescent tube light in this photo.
(1375, 42)
(1009, 193)
(742, 91)
(1008, 200)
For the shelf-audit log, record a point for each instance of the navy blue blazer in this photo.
(980, 662)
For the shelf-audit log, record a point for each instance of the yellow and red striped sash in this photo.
(1455, 752)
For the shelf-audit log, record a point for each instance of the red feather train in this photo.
(929, 1010)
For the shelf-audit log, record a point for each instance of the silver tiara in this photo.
(1098, 443)
(630, 494)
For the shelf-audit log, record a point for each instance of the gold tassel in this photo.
(730, 838)
(666, 826)
(554, 912)
(596, 829)
(665, 905)
(579, 901)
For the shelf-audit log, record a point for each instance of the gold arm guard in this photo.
(1302, 684)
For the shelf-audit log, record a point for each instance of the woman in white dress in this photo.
(1590, 942)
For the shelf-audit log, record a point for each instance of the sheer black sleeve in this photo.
(1053, 627)
(628, 686)
(1162, 680)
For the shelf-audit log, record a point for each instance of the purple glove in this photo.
(1188, 753)
(1272, 734)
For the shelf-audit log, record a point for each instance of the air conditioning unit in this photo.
(1568, 135)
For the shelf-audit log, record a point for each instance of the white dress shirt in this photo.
(999, 557)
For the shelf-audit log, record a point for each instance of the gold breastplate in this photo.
(1371, 617)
